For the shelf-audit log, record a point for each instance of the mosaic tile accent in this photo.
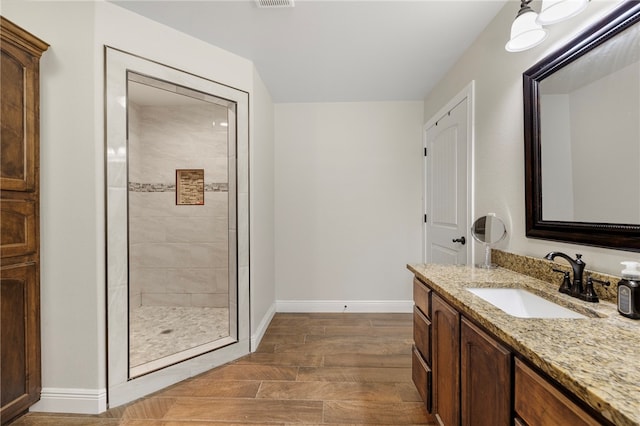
(216, 187)
(190, 187)
(171, 187)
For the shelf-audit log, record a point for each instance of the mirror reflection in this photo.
(488, 230)
(590, 135)
(180, 217)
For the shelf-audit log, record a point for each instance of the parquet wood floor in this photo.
(311, 369)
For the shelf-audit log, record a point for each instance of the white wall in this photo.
(261, 182)
(348, 182)
(499, 128)
(72, 176)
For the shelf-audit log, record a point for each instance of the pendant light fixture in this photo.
(554, 11)
(525, 31)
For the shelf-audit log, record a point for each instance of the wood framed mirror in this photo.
(582, 137)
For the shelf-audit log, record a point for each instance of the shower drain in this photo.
(166, 331)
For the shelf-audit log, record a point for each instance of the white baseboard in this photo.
(257, 336)
(69, 400)
(383, 306)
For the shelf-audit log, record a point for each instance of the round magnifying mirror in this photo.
(488, 230)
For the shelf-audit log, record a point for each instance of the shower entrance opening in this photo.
(181, 214)
(177, 184)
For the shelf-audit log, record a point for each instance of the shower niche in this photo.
(177, 227)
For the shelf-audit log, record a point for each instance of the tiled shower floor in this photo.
(159, 331)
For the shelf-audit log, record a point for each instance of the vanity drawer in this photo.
(538, 402)
(422, 297)
(18, 232)
(422, 334)
(421, 375)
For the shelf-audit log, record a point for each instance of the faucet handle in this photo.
(565, 287)
(604, 283)
(590, 294)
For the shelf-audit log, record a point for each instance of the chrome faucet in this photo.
(577, 265)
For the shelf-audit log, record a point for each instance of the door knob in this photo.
(462, 240)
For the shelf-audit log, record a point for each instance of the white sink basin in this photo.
(523, 304)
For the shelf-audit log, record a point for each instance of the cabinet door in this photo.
(19, 338)
(19, 125)
(485, 378)
(445, 352)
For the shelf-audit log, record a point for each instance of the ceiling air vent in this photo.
(275, 3)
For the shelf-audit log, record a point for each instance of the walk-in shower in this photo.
(181, 198)
(177, 224)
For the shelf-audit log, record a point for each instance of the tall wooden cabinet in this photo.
(19, 220)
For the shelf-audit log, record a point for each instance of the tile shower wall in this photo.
(178, 255)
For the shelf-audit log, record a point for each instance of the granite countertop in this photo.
(595, 358)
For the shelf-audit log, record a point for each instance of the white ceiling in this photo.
(340, 50)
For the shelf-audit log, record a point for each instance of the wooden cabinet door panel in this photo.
(13, 298)
(19, 338)
(18, 123)
(485, 378)
(17, 228)
(445, 323)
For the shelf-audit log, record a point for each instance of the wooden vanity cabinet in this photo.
(471, 372)
(476, 381)
(19, 220)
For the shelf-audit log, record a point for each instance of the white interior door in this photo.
(446, 224)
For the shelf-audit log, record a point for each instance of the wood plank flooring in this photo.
(310, 369)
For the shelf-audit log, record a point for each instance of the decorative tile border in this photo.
(216, 187)
(171, 187)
